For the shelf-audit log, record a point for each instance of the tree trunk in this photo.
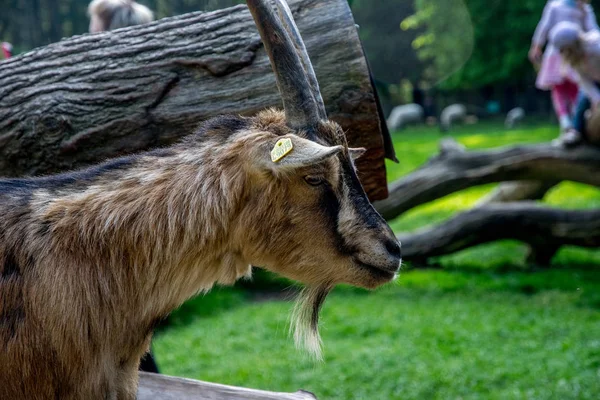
(91, 97)
(540, 227)
(455, 169)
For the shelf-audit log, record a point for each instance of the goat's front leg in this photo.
(128, 382)
(128, 372)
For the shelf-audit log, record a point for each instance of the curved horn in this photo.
(286, 15)
(300, 106)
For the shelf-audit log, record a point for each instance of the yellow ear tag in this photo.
(281, 149)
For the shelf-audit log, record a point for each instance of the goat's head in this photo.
(327, 230)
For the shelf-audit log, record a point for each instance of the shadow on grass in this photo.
(264, 286)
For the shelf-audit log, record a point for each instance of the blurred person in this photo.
(106, 15)
(552, 74)
(581, 51)
(6, 50)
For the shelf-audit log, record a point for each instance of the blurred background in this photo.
(482, 323)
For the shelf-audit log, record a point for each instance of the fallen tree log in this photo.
(454, 169)
(524, 221)
(161, 387)
(520, 191)
(91, 97)
(517, 191)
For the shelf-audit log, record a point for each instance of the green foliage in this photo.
(498, 31)
(452, 29)
(503, 31)
(447, 38)
(385, 43)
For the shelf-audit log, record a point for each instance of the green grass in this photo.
(433, 335)
(487, 326)
(416, 144)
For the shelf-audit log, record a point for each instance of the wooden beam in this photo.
(162, 387)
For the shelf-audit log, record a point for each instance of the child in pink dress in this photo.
(553, 75)
(6, 50)
(581, 51)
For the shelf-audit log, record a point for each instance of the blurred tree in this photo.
(385, 43)
(387, 47)
(502, 35)
(475, 43)
(446, 41)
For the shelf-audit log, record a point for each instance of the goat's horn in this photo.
(301, 107)
(288, 19)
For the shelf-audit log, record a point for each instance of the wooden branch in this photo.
(525, 190)
(524, 221)
(517, 191)
(161, 387)
(455, 169)
(91, 97)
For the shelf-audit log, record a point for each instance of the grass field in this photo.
(486, 326)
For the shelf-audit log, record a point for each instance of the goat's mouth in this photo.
(378, 273)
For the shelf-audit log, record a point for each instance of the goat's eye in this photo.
(314, 180)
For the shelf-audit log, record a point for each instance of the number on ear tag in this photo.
(281, 149)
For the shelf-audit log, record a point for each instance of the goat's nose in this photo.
(393, 248)
(394, 255)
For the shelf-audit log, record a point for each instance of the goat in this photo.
(403, 115)
(451, 114)
(514, 117)
(91, 260)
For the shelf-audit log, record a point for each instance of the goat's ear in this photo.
(291, 151)
(357, 152)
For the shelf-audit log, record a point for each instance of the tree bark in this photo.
(91, 97)
(540, 227)
(454, 169)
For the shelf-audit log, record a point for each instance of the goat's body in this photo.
(88, 267)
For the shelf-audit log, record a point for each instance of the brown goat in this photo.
(91, 260)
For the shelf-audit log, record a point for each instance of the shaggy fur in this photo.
(90, 261)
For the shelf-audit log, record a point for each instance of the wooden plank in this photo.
(162, 387)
